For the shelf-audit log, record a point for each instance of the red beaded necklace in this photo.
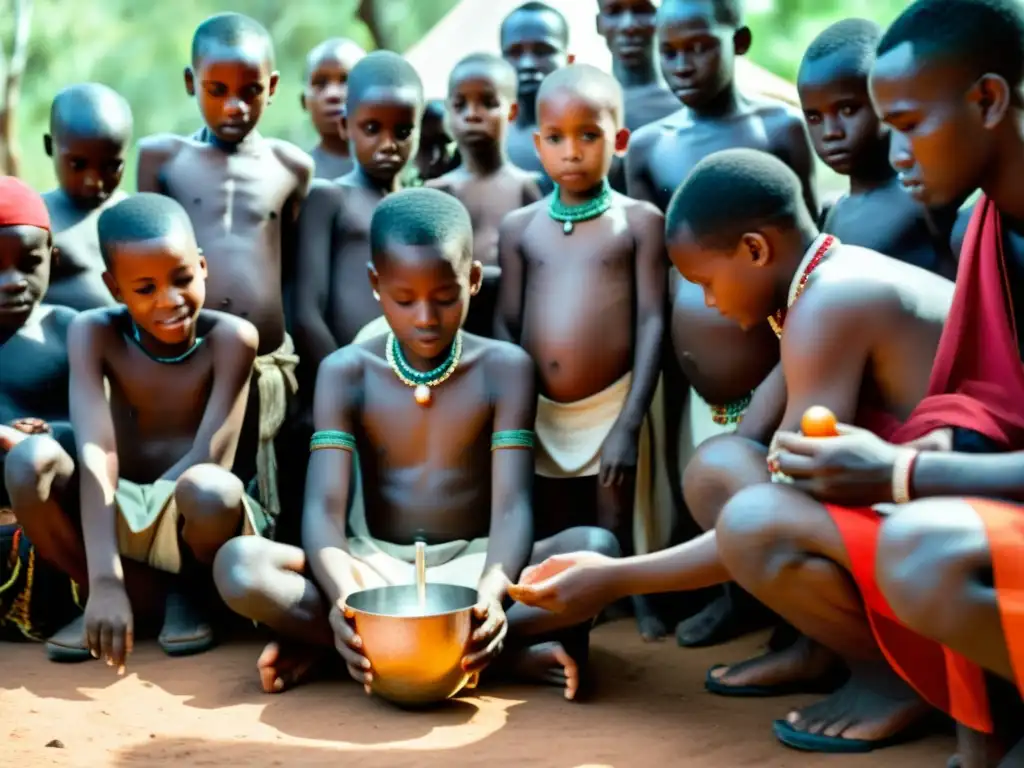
(779, 318)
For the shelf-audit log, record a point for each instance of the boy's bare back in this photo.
(489, 200)
(579, 293)
(155, 410)
(240, 205)
(34, 362)
(76, 278)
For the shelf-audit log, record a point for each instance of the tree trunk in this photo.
(367, 13)
(11, 72)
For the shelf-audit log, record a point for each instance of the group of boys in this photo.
(510, 433)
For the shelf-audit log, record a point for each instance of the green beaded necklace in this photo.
(137, 338)
(422, 381)
(569, 215)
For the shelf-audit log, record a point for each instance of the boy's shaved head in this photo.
(145, 216)
(349, 51)
(498, 69)
(91, 110)
(983, 36)
(538, 7)
(586, 81)
(728, 12)
(732, 192)
(853, 40)
(421, 216)
(231, 30)
(382, 69)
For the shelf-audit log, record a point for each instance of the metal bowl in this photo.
(415, 652)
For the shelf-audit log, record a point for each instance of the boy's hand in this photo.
(488, 637)
(350, 645)
(32, 426)
(579, 583)
(109, 630)
(619, 455)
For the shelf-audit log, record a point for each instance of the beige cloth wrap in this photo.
(276, 383)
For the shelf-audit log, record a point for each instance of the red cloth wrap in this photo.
(977, 383)
(20, 205)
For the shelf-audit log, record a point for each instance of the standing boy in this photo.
(243, 193)
(534, 40)
(155, 454)
(90, 130)
(877, 212)
(583, 291)
(382, 119)
(699, 42)
(481, 100)
(327, 69)
(441, 422)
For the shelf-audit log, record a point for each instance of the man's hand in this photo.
(350, 645)
(487, 639)
(579, 583)
(109, 625)
(619, 455)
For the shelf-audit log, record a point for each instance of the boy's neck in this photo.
(160, 352)
(798, 242)
(526, 115)
(580, 198)
(9, 331)
(724, 104)
(1002, 183)
(637, 75)
(334, 145)
(875, 172)
(229, 147)
(362, 179)
(484, 159)
(81, 206)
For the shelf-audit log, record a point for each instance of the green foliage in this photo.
(141, 50)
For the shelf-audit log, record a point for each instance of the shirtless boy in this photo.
(444, 456)
(597, 355)
(327, 69)
(382, 118)
(534, 40)
(877, 212)
(153, 477)
(859, 337)
(243, 193)
(699, 42)
(435, 155)
(481, 101)
(945, 81)
(90, 130)
(33, 336)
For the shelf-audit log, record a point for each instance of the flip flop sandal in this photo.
(177, 612)
(824, 685)
(837, 745)
(65, 647)
(186, 647)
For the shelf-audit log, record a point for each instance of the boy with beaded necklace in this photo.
(583, 291)
(423, 433)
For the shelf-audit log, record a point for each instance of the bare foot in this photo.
(186, 631)
(731, 615)
(649, 624)
(875, 705)
(285, 665)
(803, 665)
(974, 750)
(551, 664)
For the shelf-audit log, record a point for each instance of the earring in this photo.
(376, 296)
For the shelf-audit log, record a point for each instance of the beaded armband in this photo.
(513, 438)
(332, 438)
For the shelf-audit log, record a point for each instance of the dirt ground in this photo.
(649, 709)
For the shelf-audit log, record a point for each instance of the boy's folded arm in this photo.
(314, 254)
(511, 376)
(234, 342)
(764, 414)
(97, 449)
(510, 289)
(339, 388)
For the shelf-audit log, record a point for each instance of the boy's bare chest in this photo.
(597, 248)
(251, 189)
(159, 397)
(490, 200)
(34, 378)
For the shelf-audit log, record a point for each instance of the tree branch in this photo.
(11, 159)
(366, 12)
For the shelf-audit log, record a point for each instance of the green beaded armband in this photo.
(512, 438)
(332, 438)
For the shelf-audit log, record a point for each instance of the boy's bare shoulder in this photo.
(344, 367)
(296, 160)
(226, 331)
(639, 212)
(94, 327)
(502, 358)
(57, 319)
(163, 145)
(645, 137)
(781, 120)
(515, 222)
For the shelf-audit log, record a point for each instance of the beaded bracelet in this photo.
(332, 438)
(512, 438)
(902, 468)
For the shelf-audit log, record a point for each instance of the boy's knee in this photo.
(711, 474)
(207, 493)
(752, 525)
(27, 466)
(599, 540)
(240, 570)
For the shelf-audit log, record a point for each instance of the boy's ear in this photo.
(513, 111)
(742, 40)
(755, 246)
(374, 279)
(275, 77)
(108, 280)
(48, 144)
(190, 82)
(202, 265)
(992, 94)
(476, 277)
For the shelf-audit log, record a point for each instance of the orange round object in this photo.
(819, 421)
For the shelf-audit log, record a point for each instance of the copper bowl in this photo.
(415, 652)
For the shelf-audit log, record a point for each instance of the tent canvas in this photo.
(472, 27)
